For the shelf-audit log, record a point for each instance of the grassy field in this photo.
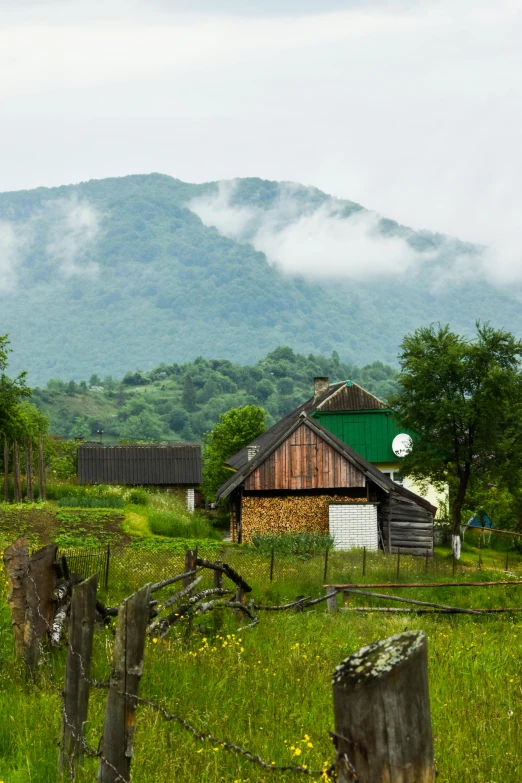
(268, 688)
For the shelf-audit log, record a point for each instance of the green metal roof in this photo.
(369, 432)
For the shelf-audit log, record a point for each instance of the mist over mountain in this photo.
(127, 273)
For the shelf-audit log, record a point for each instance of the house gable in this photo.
(304, 460)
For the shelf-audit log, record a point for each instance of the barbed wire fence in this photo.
(139, 615)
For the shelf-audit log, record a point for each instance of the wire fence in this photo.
(282, 576)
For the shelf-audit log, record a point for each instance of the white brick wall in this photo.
(190, 500)
(354, 525)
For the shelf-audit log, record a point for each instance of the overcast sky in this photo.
(411, 108)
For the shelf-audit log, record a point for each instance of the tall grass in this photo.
(293, 544)
(164, 522)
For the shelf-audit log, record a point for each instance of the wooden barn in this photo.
(302, 478)
(175, 467)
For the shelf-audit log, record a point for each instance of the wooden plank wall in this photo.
(305, 461)
(411, 527)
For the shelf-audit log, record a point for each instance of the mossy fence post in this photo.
(126, 671)
(382, 713)
(77, 673)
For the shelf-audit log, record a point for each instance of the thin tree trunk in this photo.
(41, 471)
(16, 473)
(457, 514)
(6, 470)
(29, 487)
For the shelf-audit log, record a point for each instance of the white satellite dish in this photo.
(402, 445)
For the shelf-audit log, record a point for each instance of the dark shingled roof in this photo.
(176, 465)
(291, 422)
(342, 396)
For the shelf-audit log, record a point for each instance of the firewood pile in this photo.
(290, 514)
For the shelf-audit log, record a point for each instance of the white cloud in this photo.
(319, 242)
(75, 225)
(10, 246)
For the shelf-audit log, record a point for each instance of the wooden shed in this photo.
(175, 467)
(302, 478)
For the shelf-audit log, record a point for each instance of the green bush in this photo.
(138, 497)
(293, 544)
(174, 525)
(86, 501)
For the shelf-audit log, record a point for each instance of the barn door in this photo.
(353, 525)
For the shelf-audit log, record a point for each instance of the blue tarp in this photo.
(481, 519)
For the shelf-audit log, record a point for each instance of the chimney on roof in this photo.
(252, 452)
(320, 386)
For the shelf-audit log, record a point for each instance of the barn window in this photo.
(302, 460)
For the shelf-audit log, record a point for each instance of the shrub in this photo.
(138, 496)
(293, 544)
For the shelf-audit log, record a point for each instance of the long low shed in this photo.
(176, 465)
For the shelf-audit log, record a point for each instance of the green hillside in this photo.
(183, 401)
(119, 273)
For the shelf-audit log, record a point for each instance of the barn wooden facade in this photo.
(302, 478)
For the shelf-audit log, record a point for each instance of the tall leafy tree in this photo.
(12, 392)
(463, 399)
(234, 430)
(188, 397)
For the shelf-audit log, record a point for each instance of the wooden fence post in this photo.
(218, 577)
(17, 484)
(299, 607)
(364, 561)
(331, 601)
(127, 668)
(39, 600)
(77, 673)
(6, 471)
(42, 491)
(272, 565)
(190, 565)
(29, 486)
(325, 572)
(16, 561)
(382, 713)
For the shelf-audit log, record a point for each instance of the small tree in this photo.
(234, 430)
(463, 399)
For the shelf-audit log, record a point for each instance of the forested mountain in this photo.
(183, 401)
(127, 273)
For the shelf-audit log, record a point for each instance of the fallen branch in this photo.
(303, 601)
(58, 623)
(454, 609)
(171, 581)
(227, 570)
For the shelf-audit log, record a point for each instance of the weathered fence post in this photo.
(6, 471)
(364, 561)
(218, 576)
(382, 713)
(331, 601)
(127, 668)
(17, 484)
(325, 573)
(190, 565)
(299, 607)
(29, 487)
(42, 491)
(77, 673)
(39, 600)
(16, 560)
